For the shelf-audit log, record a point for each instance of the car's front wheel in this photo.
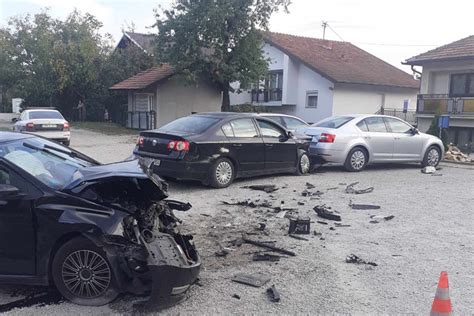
(432, 157)
(83, 274)
(356, 160)
(222, 173)
(304, 164)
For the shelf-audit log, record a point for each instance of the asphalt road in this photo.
(431, 231)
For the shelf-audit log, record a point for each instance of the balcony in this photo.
(444, 104)
(260, 96)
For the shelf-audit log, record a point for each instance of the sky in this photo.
(392, 30)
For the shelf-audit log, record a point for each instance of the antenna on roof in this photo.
(324, 24)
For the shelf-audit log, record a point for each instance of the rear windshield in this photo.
(193, 124)
(45, 115)
(334, 122)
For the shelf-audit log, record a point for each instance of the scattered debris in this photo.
(273, 294)
(299, 226)
(267, 188)
(315, 233)
(40, 299)
(298, 237)
(321, 222)
(376, 218)
(428, 170)
(341, 225)
(300, 203)
(350, 189)
(332, 228)
(249, 203)
(261, 226)
(309, 186)
(352, 258)
(324, 212)
(264, 245)
(266, 257)
(206, 215)
(257, 279)
(223, 251)
(237, 296)
(281, 214)
(329, 189)
(310, 193)
(364, 206)
(455, 154)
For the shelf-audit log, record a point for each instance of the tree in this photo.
(220, 39)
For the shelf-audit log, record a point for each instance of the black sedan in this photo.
(92, 230)
(216, 148)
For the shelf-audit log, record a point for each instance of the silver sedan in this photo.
(357, 140)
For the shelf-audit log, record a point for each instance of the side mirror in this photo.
(8, 191)
(414, 131)
(290, 134)
(15, 119)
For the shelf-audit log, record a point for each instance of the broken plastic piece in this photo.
(237, 296)
(324, 212)
(364, 207)
(297, 237)
(268, 188)
(273, 294)
(256, 279)
(299, 226)
(350, 189)
(263, 245)
(265, 257)
(352, 258)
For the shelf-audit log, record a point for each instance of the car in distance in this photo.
(290, 122)
(91, 230)
(216, 148)
(45, 122)
(358, 140)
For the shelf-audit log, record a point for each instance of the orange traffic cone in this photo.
(442, 302)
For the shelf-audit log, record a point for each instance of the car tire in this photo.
(356, 160)
(222, 173)
(70, 270)
(432, 157)
(304, 164)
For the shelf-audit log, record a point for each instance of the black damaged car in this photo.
(91, 230)
(215, 148)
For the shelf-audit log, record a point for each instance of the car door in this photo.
(280, 150)
(246, 145)
(407, 146)
(378, 138)
(17, 232)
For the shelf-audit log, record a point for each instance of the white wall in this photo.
(177, 98)
(366, 99)
(436, 75)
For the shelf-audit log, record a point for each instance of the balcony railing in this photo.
(266, 95)
(444, 104)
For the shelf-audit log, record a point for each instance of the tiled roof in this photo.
(341, 62)
(464, 48)
(145, 78)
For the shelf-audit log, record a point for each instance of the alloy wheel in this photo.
(357, 160)
(433, 157)
(86, 274)
(304, 164)
(223, 172)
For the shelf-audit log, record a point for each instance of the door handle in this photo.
(269, 145)
(236, 145)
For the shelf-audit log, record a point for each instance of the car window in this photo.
(23, 116)
(362, 126)
(194, 124)
(292, 123)
(398, 126)
(376, 124)
(11, 178)
(270, 130)
(227, 130)
(334, 122)
(45, 115)
(244, 128)
(275, 118)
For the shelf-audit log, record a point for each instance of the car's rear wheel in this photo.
(356, 159)
(432, 157)
(222, 173)
(83, 274)
(304, 164)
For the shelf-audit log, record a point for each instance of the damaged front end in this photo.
(145, 247)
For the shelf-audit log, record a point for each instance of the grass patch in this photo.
(107, 128)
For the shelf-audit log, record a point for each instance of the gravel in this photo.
(431, 232)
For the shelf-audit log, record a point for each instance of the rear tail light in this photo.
(30, 127)
(141, 141)
(66, 126)
(178, 145)
(327, 138)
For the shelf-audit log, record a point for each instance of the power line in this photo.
(340, 37)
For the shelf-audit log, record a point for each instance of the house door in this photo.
(141, 116)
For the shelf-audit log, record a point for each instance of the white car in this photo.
(358, 140)
(48, 123)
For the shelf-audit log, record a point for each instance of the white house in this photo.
(447, 88)
(158, 96)
(313, 79)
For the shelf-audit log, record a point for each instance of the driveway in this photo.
(431, 231)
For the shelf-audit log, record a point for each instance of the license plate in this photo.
(49, 126)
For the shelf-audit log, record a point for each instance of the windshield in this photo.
(194, 124)
(40, 159)
(45, 115)
(333, 122)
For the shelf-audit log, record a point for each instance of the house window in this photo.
(312, 99)
(274, 85)
(462, 85)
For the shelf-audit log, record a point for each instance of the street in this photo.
(431, 231)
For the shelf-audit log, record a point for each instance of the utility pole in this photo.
(324, 25)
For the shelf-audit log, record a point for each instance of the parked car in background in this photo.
(92, 230)
(45, 122)
(216, 148)
(291, 123)
(357, 140)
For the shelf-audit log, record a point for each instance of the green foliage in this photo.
(220, 39)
